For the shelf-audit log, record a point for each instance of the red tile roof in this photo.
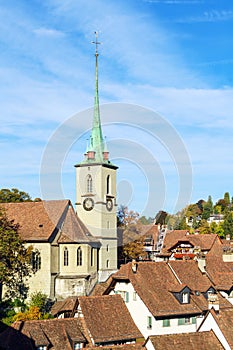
(224, 320)
(108, 319)
(191, 341)
(172, 238)
(41, 221)
(58, 334)
(155, 283)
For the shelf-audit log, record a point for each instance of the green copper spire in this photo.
(96, 151)
(97, 141)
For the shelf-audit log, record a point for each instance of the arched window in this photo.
(89, 184)
(107, 263)
(36, 260)
(66, 257)
(107, 247)
(79, 256)
(108, 184)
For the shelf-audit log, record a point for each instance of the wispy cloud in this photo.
(176, 2)
(209, 16)
(48, 32)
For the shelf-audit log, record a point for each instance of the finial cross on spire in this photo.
(96, 42)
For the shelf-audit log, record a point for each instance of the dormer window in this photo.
(185, 298)
(42, 347)
(78, 346)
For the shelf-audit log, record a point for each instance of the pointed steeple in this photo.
(96, 152)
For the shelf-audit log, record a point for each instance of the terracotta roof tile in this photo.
(73, 230)
(62, 306)
(108, 319)
(154, 282)
(205, 242)
(37, 220)
(41, 221)
(192, 341)
(224, 320)
(57, 333)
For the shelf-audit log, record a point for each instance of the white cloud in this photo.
(209, 16)
(47, 32)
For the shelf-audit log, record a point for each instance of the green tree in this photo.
(13, 195)
(207, 208)
(227, 198)
(40, 300)
(228, 224)
(14, 259)
(203, 227)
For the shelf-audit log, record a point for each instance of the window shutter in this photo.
(180, 321)
(194, 320)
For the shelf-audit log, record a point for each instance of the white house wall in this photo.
(140, 314)
(210, 323)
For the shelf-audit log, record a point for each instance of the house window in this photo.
(78, 346)
(166, 323)
(66, 257)
(124, 295)
(89, 184)
(36, 261)
(149, 322)
(79, 256)
(186, 321)
(194, 320)
(41, 347)
(134, 296)
(107, 247)
(185, 298)
(107, 263)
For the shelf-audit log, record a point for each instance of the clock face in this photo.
(88, 204)
(109, 204)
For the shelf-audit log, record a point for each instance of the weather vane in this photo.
(96, 42)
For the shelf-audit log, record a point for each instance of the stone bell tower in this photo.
(96, 190)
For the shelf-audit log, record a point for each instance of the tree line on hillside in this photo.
(196, 217)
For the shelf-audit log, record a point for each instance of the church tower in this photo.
(96, 190)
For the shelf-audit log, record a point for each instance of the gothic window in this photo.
(36, 260)
(79, 256)
(66, 257)
(108, 184)
(89, 184)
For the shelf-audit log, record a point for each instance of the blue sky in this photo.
(171, 61)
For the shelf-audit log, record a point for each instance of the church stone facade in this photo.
(72, 251)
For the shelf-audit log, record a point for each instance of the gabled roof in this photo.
(73, 230)
(108, 319)
(37, 220)
(42, 221)
(67, 305)
(191, 341)
(56, 333)
(154, 282)
(205, 242)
